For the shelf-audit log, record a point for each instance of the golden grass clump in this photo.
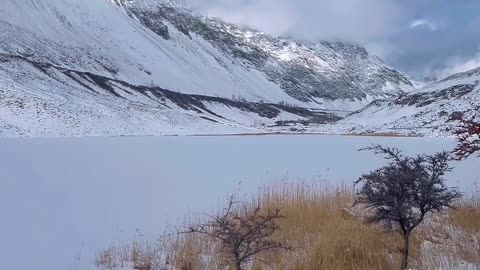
(467, 214)
(140, 256)
(326, 231)
(192, 252)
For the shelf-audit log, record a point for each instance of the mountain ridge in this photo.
(241, 66)
(118, 67)
(331, 70)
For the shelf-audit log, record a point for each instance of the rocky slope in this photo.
(434, 110)
(103, 67)
(316, 73)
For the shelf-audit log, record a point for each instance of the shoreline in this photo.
(262, 134)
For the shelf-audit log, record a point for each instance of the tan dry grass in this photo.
(328, 233)
(467, 216)
(452, 240)
(138, 255)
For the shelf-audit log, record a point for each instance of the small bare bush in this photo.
(243, 232)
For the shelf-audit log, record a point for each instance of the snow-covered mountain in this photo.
(432, 110)
(119, 67)
(323, 74)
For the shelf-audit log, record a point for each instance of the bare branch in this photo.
(468, 140)
(243, 232)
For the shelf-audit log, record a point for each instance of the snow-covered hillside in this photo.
(433, 110)
(103, 67)
(47, 100)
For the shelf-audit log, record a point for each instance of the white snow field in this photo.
(64, 199)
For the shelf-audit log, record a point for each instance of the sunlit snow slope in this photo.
(101, 67)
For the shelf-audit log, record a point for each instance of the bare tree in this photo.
(400, 194)
(243, 232)
(468, 138)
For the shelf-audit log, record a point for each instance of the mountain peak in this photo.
(319, 63)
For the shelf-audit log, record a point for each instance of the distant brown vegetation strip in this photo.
(308, 134)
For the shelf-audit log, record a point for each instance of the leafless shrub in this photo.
(243, 232)
(400, 194)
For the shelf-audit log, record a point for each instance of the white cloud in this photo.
(423, 24)
(457, 65)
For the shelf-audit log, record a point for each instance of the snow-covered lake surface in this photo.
(63, 199)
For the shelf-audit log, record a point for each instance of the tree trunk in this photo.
(406, 242)
(238, 262)
(238, 265)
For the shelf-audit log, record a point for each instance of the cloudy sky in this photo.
(420, 37)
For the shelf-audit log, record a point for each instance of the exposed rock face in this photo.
(305, 71)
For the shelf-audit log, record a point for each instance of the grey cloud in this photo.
(421, 37)
(359, 20)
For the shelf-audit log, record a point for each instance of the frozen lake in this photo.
(63, 199)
